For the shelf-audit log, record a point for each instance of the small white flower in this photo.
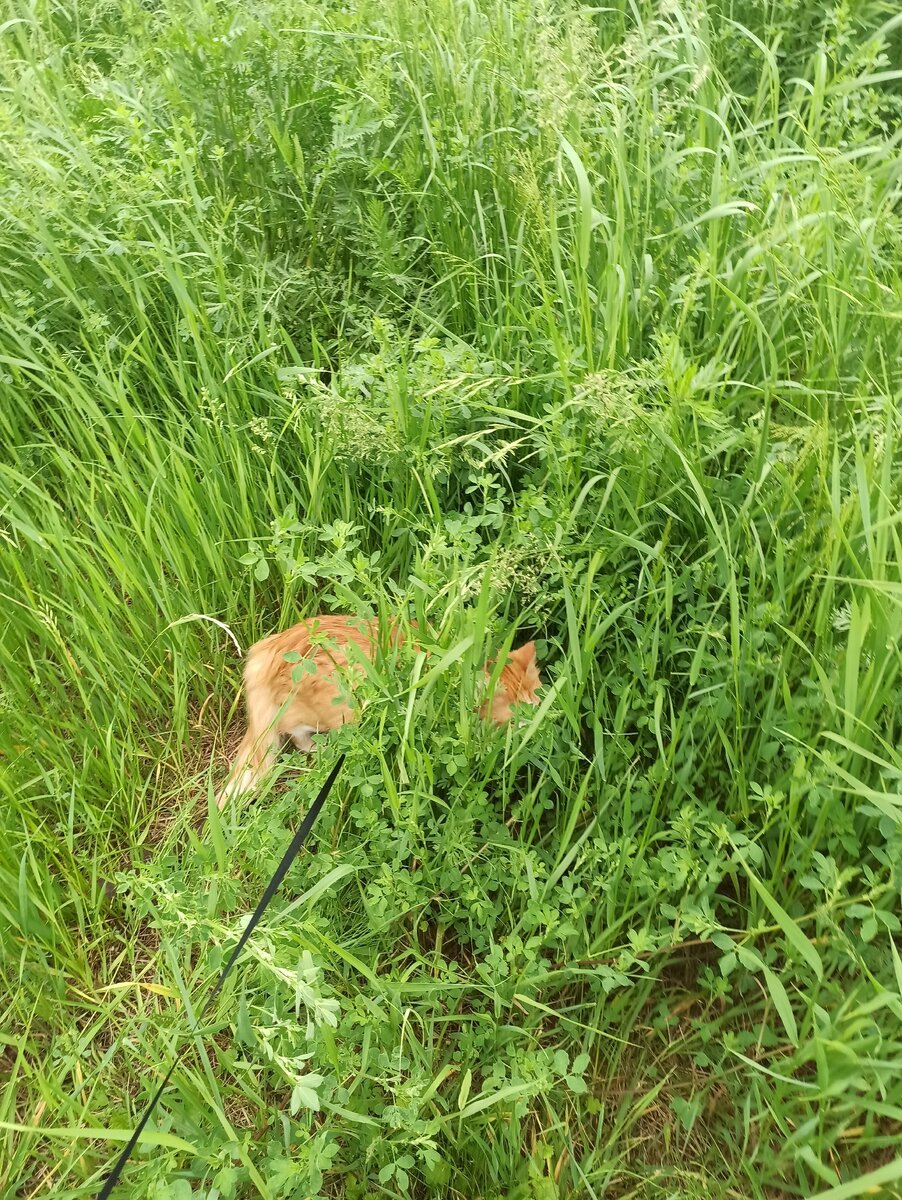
(842, 617)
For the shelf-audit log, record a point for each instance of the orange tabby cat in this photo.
(280, 707)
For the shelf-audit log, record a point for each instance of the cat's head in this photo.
(517, 684)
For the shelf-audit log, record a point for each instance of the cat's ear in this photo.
(525, 655)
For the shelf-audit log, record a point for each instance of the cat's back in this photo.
(320, 638)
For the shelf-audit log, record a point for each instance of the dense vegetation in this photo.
(519, 319)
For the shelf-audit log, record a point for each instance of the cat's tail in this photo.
(260, 743)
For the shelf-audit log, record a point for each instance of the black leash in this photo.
(271, 888)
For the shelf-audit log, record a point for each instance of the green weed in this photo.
(514, 319)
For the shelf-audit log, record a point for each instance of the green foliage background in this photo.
(518, 319)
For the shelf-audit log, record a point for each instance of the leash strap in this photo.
(271, 888)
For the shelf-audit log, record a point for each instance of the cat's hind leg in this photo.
(258, 748)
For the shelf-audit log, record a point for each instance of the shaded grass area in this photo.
(514, 320)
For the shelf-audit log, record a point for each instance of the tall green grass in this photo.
(581, 324)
